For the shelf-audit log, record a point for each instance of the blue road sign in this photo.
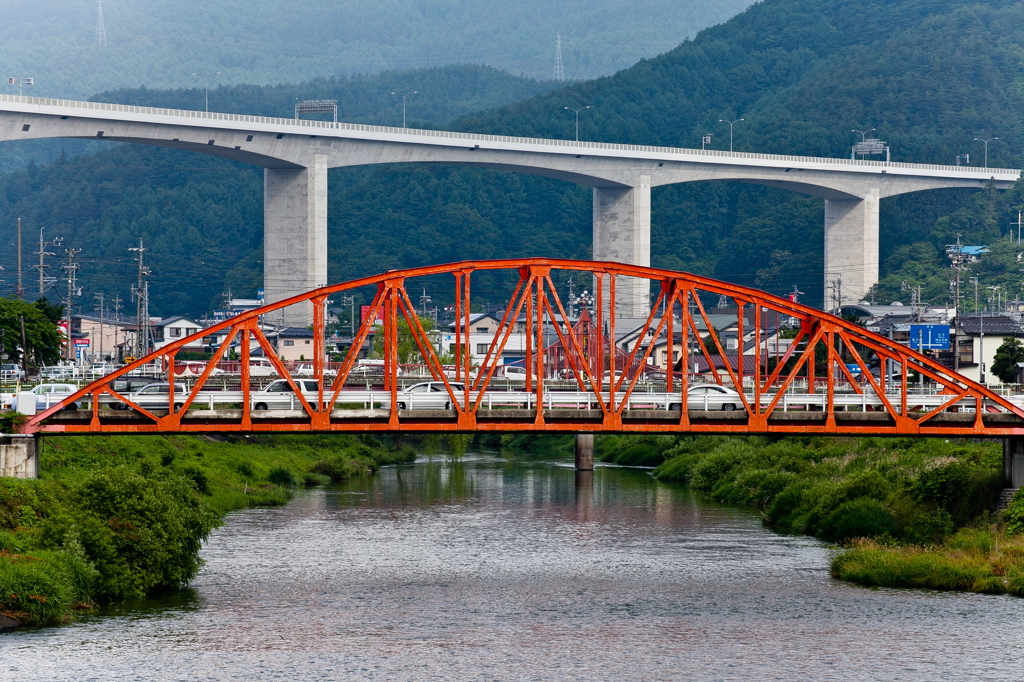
(929, 336)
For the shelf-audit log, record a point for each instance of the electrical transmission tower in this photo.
(140, 293)
(71, 273)
(101, 31)
(559, 69)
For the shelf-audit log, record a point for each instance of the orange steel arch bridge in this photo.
(573, 378)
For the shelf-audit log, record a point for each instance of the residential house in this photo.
(168, 330)
(294, 343)
(977, 351)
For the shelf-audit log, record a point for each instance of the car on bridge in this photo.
(154, 396)
(46, 396)
(710, 397)
(429, 395)
(279, 395)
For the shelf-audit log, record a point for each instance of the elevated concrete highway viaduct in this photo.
(297, 154)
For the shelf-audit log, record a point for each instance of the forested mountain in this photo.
(930, 75)
(161, 43)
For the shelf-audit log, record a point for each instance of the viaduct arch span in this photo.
(296, 155)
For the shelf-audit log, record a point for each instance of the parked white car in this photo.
(11, 372)
(261, 367)
(430, 395)
(48, 395)
(306, 369)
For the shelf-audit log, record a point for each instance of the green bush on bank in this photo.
(125, 517)
(916, 491)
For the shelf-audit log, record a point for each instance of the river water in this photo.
(511, 569)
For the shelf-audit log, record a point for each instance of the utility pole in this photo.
(117, 319)
(1018, 224)
(424, 300)
(958, 265)
(100, 297)
(45, 281)
(71, 269)
(836, 285)
(140, 292)
(21, 288)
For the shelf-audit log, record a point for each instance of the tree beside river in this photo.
(124, 517)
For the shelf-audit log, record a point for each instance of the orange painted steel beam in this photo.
(764, 411)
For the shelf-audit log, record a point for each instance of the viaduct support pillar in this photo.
(851, 248)
(1013, 461)
(622, 233)
(294, 237)
(584, 452)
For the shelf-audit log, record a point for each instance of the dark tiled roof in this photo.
(993, 324)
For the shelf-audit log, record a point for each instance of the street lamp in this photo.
(414, 92)
(863, 133)
(206, 80)
(731, 124)
(978, 139)
(577, 118)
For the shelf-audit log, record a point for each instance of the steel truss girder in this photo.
(583, 352)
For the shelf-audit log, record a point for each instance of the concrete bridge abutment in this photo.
(1013, 461)
(294, 236)
(851, 248)
(19, 456)
(584, 452)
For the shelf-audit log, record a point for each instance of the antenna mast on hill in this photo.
(559, 69)
(101, 31)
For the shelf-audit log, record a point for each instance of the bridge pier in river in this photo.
(584, 452)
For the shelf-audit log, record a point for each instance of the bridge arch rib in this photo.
(576, 373)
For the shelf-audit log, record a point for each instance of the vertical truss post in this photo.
(739, 345)
(757, 358)
(170, 383)
(684, 348)
(612, 347)
(392, 350)
(830, 418)
(811, 346)
(458, 317)
(467, 358)
(318, 348)
(599, 288)
(529, 333)
(669, 286)
(246, 401)
(540, 351)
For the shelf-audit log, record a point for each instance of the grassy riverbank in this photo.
(908, 512)
(124, 517)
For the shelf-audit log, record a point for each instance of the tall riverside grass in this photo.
(976, 560)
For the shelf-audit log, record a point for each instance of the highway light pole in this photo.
(863, 133)
(577, 118)
(731, 124)
(978, 139)
(402, 95)
(206, 80)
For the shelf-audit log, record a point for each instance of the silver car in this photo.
(278, 395)
(155, 396)
(430, 395)
(711, 397)
(48, 395)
